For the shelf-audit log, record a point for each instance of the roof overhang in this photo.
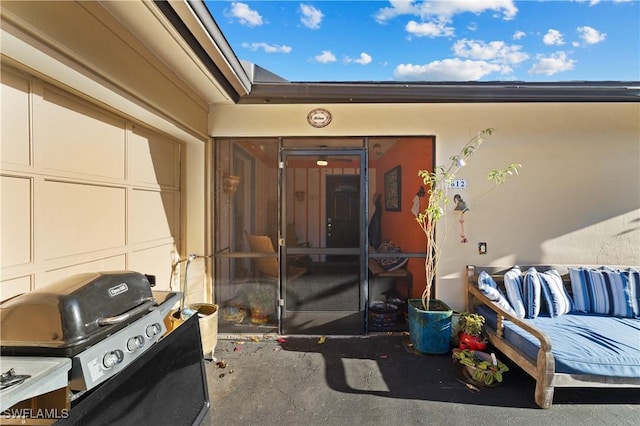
(446, 92)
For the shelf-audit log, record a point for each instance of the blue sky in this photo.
(462, 40)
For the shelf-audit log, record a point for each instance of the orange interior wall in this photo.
(411, 154)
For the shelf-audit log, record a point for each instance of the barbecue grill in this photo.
(102, 321)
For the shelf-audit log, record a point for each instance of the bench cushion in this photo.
(581, 343)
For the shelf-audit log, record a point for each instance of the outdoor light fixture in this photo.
(377, 150)
(322, 161)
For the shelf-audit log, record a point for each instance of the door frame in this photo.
(361, 251)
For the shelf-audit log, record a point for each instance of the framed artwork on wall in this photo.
(392, 190)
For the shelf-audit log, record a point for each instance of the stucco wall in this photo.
(577, 199)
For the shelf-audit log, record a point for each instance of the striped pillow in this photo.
(531, 293)
(489, 288)
(557, 299)
(581, 289)
(513, 285)
(633, 276)
(603, 291)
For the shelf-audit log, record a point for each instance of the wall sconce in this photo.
(460, 204)
(322, 161)
(377, 150)
(300, 195)
(230, 183)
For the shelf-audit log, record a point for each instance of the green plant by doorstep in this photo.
(437, 184)
(261, 297)
(482, 367)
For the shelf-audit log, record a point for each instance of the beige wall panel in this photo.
(113, 263)
(152, 215)
(80, 218)
(155, 261)
(14, 110)
(90, 35)
(15, 221)
(153, 159)
(14, 286)
(72, 137)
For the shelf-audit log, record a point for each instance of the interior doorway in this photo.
(327, 295)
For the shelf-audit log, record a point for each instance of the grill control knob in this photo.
(135, 343)
(153, 330)
(112, 358)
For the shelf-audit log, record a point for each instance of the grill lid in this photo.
(64, 317)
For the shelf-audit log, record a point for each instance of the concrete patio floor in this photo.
(379, 380)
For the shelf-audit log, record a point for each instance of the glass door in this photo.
(323, 222)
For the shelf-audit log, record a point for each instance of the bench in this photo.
(576, 349)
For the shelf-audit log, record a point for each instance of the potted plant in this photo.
(470, 336)
(480, 367)
(430, 320)
(261, 303)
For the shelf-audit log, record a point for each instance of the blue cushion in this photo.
(513, 285)
(602, 291)
(489, 288)
(557, 299)
(531, 293)
(633, 276)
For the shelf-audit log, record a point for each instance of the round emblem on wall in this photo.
(319, 117)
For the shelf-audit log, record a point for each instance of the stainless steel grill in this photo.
(102, 321)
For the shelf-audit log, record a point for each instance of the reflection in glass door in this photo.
(322, 195)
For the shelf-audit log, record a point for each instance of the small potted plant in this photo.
(470, 335)
(480, 367)
(261, 303)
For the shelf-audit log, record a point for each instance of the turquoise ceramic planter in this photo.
(430, 331)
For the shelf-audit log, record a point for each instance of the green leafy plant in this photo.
(482, 367)
(471, 323)
(437, 183)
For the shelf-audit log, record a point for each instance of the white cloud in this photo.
(448, 70)
(267, 48)
(398, 8)
(245, 15)
(518, 35)
(325, 57)
(445, 9)
(363, 59)
(450, 8)
(553, 38)
(495, 51)
(311, 17)
(591, 35)
(553, 64)
(429, 29)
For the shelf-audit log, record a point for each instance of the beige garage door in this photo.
(82, 189)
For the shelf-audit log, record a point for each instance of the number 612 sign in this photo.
(458, 184)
